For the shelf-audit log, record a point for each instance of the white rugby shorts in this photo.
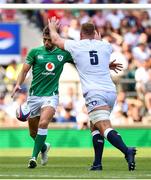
(96, 98)
(37, 102)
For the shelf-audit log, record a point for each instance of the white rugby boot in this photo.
(44, 155)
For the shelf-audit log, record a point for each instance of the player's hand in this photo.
(115, 66)
(16, 88)
(53, 23)
(97, 35)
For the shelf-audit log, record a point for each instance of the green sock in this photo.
(44, 147)
(39, 143)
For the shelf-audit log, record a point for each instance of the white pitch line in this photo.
(51, 176)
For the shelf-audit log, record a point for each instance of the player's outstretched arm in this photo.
(115, 66)
(53, 25)
(21, 78)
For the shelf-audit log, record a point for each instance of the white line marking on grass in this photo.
(67, 176)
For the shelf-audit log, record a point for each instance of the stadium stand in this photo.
(76, 1)
(129, 31)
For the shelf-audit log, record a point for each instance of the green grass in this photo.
(73, 164)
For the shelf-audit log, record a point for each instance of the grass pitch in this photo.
(73, 164)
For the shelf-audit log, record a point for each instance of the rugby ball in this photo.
(23, 112)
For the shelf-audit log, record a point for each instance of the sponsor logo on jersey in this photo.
(48, 73)
(50, 67)
(92, 103)
(40, 57)
(7, 39)
(60, 57)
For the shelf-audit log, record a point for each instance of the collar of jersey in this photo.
(52, 50)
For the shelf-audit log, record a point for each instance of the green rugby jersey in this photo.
(46, 70)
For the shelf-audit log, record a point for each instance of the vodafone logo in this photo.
(50, 66)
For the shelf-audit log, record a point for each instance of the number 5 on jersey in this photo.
(93, 57)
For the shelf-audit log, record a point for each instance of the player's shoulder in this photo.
(83, 43)
(106, 45)
(61, 51)
(105, 42)
(37, 49)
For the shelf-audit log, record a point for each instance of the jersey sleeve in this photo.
(69, 45)
(110, 48)
(30, 57)
(69, 58)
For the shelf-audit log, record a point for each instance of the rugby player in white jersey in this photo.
(91, 58)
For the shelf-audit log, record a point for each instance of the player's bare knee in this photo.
(43, 124)
(103, 125)
(92, 127)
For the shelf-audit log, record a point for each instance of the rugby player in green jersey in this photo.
(47, 64)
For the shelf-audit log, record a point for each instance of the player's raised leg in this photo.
(102, 122)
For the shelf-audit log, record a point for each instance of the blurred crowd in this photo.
(75, 1)
(129, 32)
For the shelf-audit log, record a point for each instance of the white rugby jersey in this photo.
(92, 58)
